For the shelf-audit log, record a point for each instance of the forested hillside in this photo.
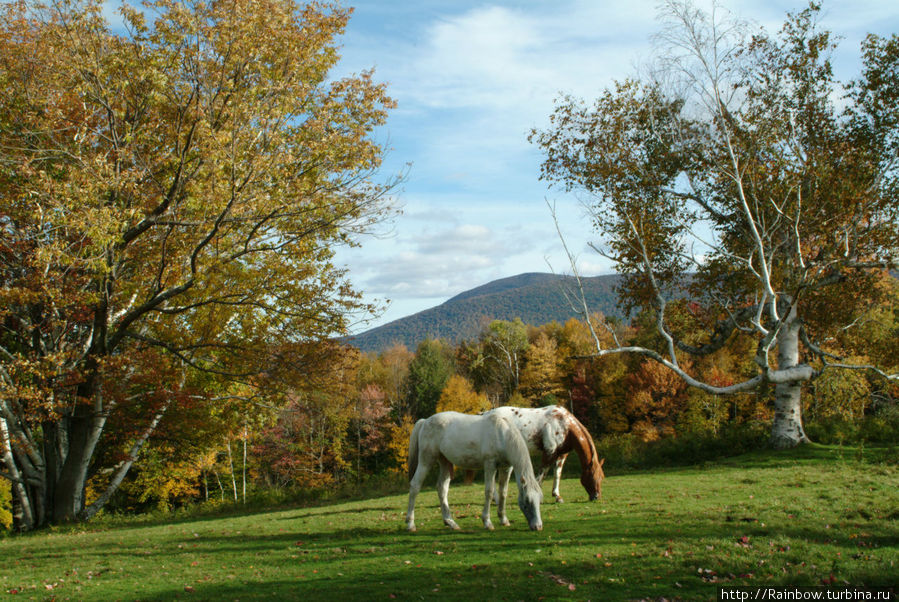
(535, 298)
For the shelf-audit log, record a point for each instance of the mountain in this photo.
(535, 298)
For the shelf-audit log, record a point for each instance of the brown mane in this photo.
(580, 441)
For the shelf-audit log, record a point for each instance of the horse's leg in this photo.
(443, 482)
(489, 484)
(414, 487)
(502, 494)
(557, 476)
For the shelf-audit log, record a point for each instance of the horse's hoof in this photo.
(505, 523)
(559, 500)
(489, 526)
(452, 525)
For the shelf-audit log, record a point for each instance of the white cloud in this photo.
(435, 262)
(503, 59)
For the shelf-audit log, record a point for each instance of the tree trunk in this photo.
(49, 473)
(23, 518)
(68, 498)
(219, 481)
(123, 468)
(231, 464)
(787, 431)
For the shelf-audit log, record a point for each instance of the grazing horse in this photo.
(552, 432)
(488, 442)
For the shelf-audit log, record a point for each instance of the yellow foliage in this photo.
(542, 374)
(459, 396)
(519, 401)
(5, 504)
(398, 443)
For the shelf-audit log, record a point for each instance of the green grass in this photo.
(794, 518)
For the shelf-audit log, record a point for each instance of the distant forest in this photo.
(535, 298)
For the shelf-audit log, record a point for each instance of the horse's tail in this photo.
(413, 448)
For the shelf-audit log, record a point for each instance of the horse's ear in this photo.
(601, 462)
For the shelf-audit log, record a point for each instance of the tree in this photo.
(307, 447)
(371, 422)
(655, 397)
(428, 374)
(388, 371)
(733, 176)
(177, 189)
(503, 347)
(542, 373)
(460, 396)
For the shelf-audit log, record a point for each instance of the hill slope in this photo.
(792, 518)
(535, 298)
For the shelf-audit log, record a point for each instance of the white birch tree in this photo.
(742, 175)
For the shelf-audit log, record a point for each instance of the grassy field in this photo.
(807, 517)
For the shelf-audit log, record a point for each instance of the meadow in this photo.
(812, 516)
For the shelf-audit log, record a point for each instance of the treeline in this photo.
(353, 425)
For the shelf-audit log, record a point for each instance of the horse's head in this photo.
(530, 496)
(591, 479)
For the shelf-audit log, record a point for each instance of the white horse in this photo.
(454, 439)
(553, 432)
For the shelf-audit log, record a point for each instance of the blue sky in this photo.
(472, 79)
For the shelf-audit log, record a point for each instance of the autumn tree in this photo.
(370, 424)
(542, 374)
(460, 396)
(308, 444)
(655, 397)
(741, 174)
(501, 355)
(175, 189)
(388, 371)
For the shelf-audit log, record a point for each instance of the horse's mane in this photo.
(585, 447)
(517, 449)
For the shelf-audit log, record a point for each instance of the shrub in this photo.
(879, 428)
(631, 451)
